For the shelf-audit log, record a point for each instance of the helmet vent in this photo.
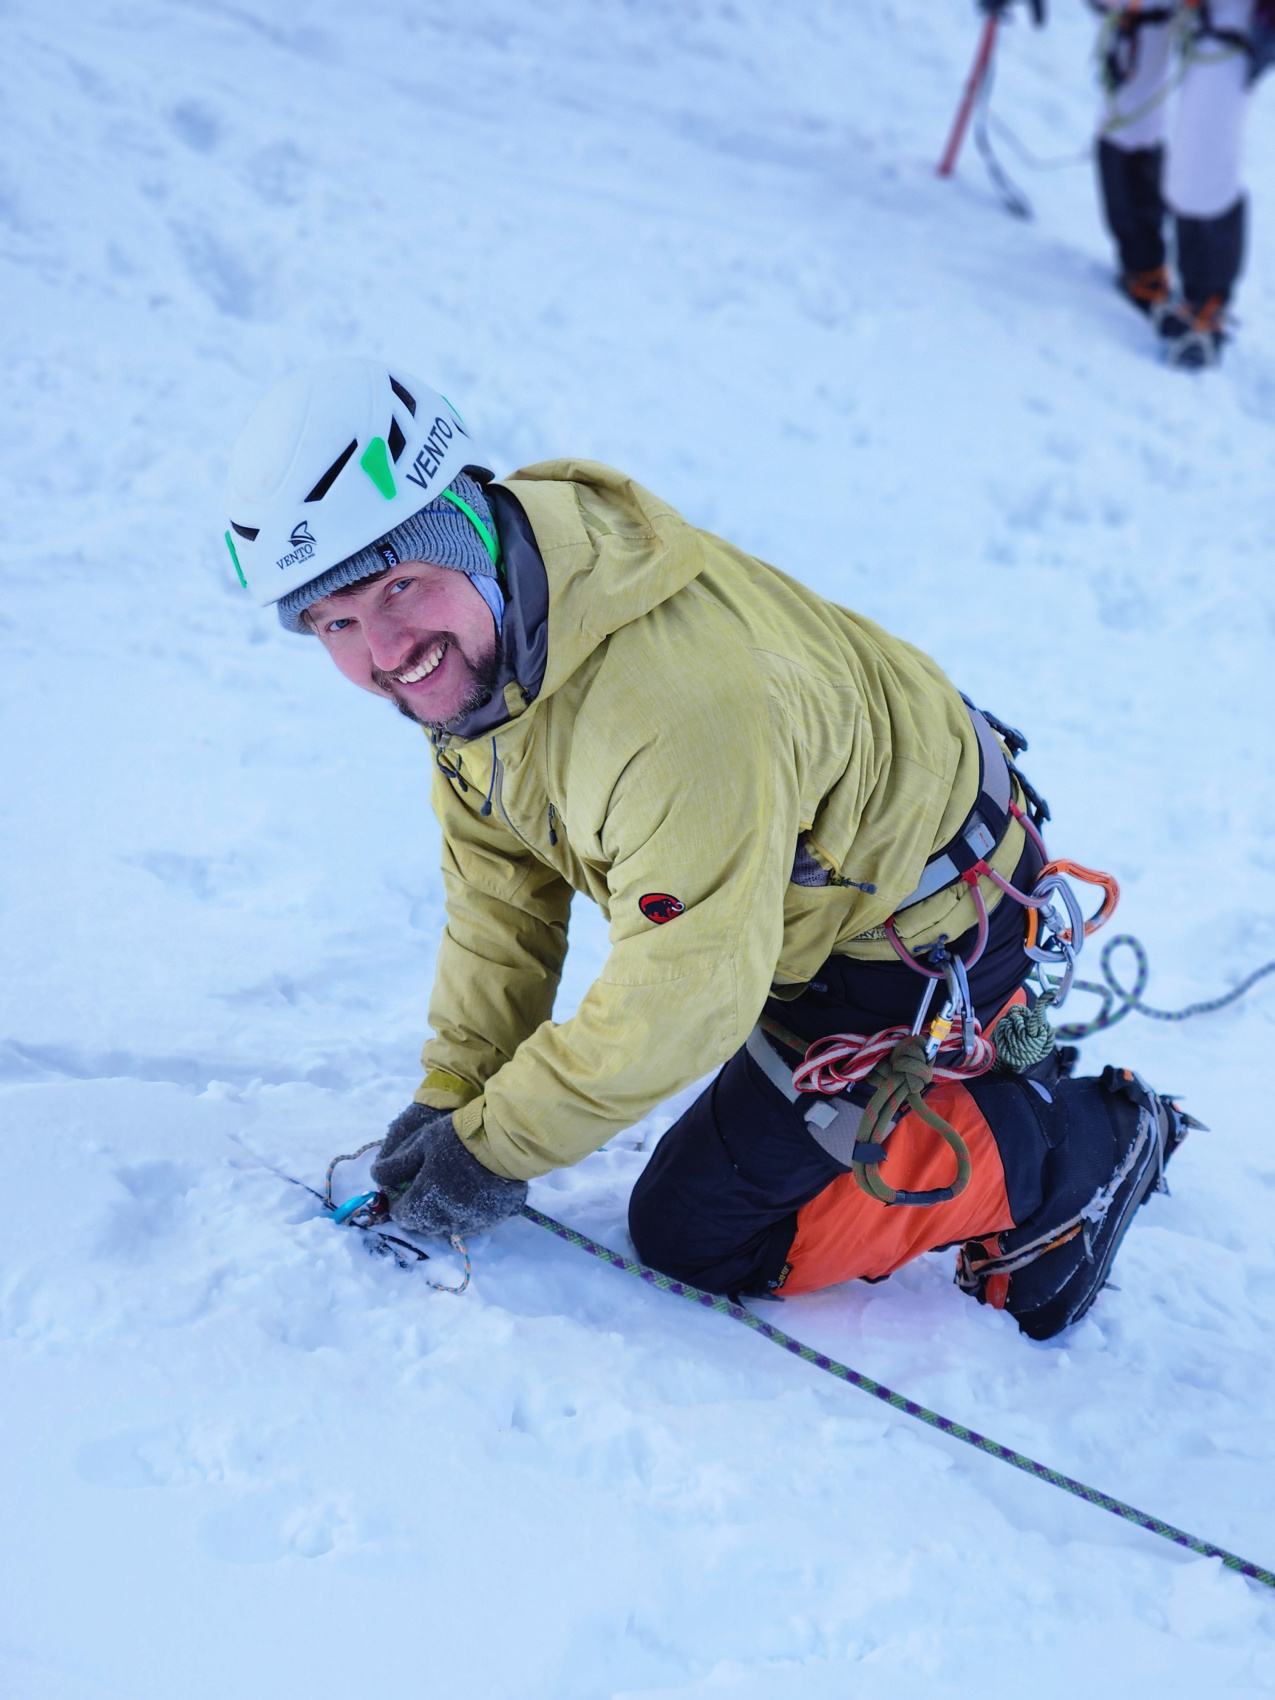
(397, 441)
(408, 401)
(248, 532)
(330, 476)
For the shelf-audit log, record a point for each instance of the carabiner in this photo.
(352, 1206)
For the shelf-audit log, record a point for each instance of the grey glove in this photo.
(435, 1186)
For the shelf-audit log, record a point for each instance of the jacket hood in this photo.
(524, 628)
(612, 552)
(586, 550)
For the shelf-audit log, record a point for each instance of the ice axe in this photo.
(994, 11)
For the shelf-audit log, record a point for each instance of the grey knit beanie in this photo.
(440, 533)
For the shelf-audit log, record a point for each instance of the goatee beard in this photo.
(483, 674)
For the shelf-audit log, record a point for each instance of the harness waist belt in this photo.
(985, 825)
(832, 1123)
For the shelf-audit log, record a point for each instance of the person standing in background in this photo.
(1176, 80)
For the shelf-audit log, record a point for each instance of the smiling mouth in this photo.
(423, 668)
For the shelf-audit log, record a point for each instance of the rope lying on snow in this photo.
(739, 1313)
(1131, 1000)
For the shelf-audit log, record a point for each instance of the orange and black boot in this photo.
(1210, 254)
(1150, 291)
(1107, 1142)
(1129, 184)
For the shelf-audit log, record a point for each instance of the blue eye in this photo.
(400, 584)
(339, 625)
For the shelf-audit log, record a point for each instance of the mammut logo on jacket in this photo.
(659, 907)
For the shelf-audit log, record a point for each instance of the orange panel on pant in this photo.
(843, 1235)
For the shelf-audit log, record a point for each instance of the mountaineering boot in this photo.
(1193, 336)
(1210, 254)
(1109, 1140)
(1129, 180)
(1150, 291)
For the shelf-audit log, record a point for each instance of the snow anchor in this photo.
(343, 1212)
(1006, 1454)
(366, 1210)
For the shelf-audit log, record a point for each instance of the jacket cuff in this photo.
(442, 1090)
(470, 1129)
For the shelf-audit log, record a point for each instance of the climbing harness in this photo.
(1119, 49)
(1119, 46)
(900, 1064)
(1116, 57)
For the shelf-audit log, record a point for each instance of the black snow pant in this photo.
(717, 1203)
(1210, 251)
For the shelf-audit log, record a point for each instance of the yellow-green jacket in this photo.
(699, 713)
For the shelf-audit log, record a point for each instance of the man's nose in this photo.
(389, 640)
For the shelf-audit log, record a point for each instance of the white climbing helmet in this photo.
(331, 459)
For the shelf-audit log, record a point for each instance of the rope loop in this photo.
(842, 1059)
(1118, 1001)
(895, 1063)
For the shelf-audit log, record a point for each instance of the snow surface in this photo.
(702, 240)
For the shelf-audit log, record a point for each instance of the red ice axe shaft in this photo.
(982, 59)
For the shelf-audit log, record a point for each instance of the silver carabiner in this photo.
(1055, 948)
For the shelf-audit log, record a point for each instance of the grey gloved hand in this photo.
(404, 1146)
(435, 1186)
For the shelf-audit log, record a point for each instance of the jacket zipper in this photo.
(499, 792)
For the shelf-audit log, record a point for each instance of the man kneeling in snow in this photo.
(775, 803)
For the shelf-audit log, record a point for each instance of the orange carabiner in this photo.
(1090, 876)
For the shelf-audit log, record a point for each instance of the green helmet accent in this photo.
(234, 555)
(375, 461)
